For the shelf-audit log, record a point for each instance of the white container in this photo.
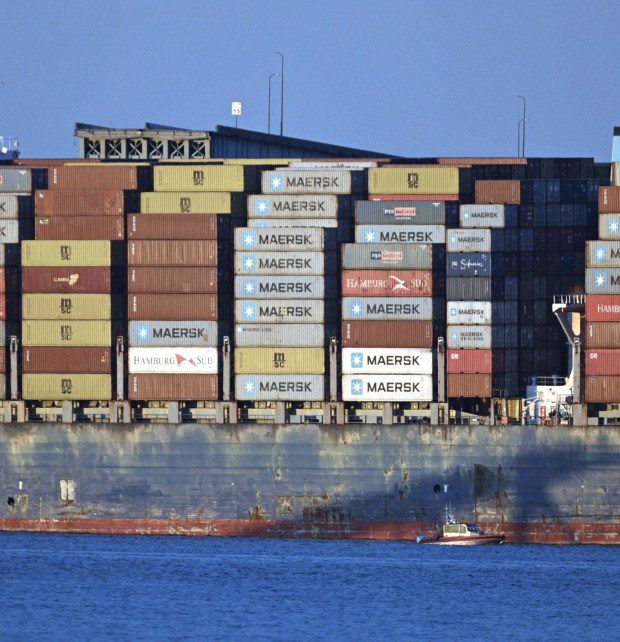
(280, 287)
(469, 337)
(293, 222)
(603, 253)
(279, 263)
(387, 308)
(609, 226)
(179, 360)
(387, 387)
(173, 333)
(278, 239)
(387, 360)
(482, 216)
(261, 335)
(291, 206)
(468, 312)
(468, 240)
(308, 181)
(262, 387)
(400, 234)
(280, 311)
(9, 230)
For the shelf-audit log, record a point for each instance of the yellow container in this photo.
(185, 203)
(66, 306)
(279, 361)
(55, 387)
(61, 253)
(413, 180)
(198, 178)
(67, 333)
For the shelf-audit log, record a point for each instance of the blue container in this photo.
(469, 264)
(554, 218)
(511, 335)
(526, 240)
(511, 216)
(511, 288)
(497, 239)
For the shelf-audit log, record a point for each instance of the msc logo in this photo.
(66, 333)
(66, 386)
(279, 360)
(357, 386)
(185, 204)
(262, 206)
(65, 252)
(357, 360)
(413, 180)
(66, 306)
(198, 177)
(276, 182)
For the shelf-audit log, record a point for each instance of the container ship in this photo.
(230, 333)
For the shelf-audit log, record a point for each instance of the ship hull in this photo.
(556, 485)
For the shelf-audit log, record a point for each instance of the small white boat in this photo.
(460, 534)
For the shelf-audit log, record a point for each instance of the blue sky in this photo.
(411, 78)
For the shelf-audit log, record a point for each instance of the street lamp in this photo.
(281, 92)
(269, 104)
(524, 121)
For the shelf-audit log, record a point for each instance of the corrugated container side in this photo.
(279, 360)
(382, 283)
(69, 333)
(278, 239)
(172, 253)
(386, 256)
(609, 226)
(80, 228)
(66, 252)
(15, 206)
(171, 387)
(257, 387)
(172, 333)
(469, 264)
(407, 212)
(474, 216)
(66, 306)
(325, 223)
(387, 334)
(172, 226)
(388, 308)
(319, 181)
(387, 361)
(603, 307)
(400, 234)
(185, 203)
(10, 230)
(283, 263)
(387, 387)
(413, 180)
(100, 176)
(464, 288)
(306, 206)
(468, 240)
(2, 363)
(602, 390)
(15, 180)
(602, 280)
(282, 311)
(55, 387)
(469, 312)
(413, 197)
(504, 192)
(44, 359)
(603, 335)
(198, 178)
(177, 360)
(603, 362)
(609, 200)
(469, 361)
(172, 307)
(603, 253)
(469, 385)
(81, 202)
(279, 334)
(283, 287)
(169, 280)
(69, 279)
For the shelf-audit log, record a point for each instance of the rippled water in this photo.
(84, 587)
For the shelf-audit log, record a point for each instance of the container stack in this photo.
(602, 356)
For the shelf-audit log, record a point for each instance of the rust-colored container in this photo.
(500, 192)
(88, 360)
(413, 197)
(172, 253)
(87, 228)
(609, 200)
(79, 202)
(469, 385)
(172, 387)
(188, 280)
(603, 335)
(172, 307)
(469, 361)
(2, 362)
(172, 226)
(603, 307)
(387, 283)
(603, 389)
(82, 280)
(104, 176)
(387, 334)
(602, 362)
(2, 306)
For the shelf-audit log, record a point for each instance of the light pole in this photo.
(269, 104)
(281, 92)
(524, 121)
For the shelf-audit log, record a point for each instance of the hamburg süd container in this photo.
(468, 240)
(603, 307)
(400, 234)
(292, 206)
(169, 280)
(172, 226)
(387, 334)
(312, 181)
(473, 216)
(602, 389)
(15, 206)
(468, 337)
(602, 335)
(15, 180)
(278, 387)
(609, 226)
(387, 308)
(172, 307)
(502, 192)
(281, 311)
(469, 312)
(603, 253)
(387, 387)
(387, 360)
(604, 362)
(60, 253)
(387, 283)
(609, 200)
(173, 333)
(66, 333)
(279, 360)
(602, 280)
(66, 306)
(48, 359)
(55, 387)
(469, 361)
(172, 253)
(468, 288)
(469, 385)
(386, 256)
(413, 180)
(177, 360)
(279, 239)
(199, 178)
(469, 264)
(283, 263)
(82, 202)
(66, 279)
(80, 228)
(280, 334)
(99, 176)
(185, 202)
(400, 212)
(282, 287)
(172, 387)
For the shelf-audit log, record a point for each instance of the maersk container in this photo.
(66, 306)
(469, 264)
(400, 234)
(394, 283)
(279, 334)
(279, 360)
(173, 333)
(387, 361)
(261, 387)
(414, 179)
(15, 205)
(469, 312)
(292, 222)
(603, 253)
(2, 333)
(310, 240)
(387, 308)
(312, 181)
(185, 203)
(401, 212)
(609, 226)
(177, 360)
(55, 387)
(281, 311)
(283, 287)
(603, 280)
(482, 216)
(270, 263)
(172, 253)
(469, 361)
(466, 288)
(61, 253)
(15, 180)
(9, 231)
(199, 178)
(292, 206)
(468, 240)
(468, 337)
(387, 387)
(386, 256)
(68, 332)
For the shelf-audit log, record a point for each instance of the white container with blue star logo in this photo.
(279, 263)
(603, 253)
(280, 311)
(279, 240)
(173, 333)
(603, 280)
(280, 287)
(469, 337)
(400, 234)
(261, 387)
(475, 215)
(387, 308)
(469, 240)
(292, 206)
(387, 360)
(387, 387)
(609, 226)
(310, 181)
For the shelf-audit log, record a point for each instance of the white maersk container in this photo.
(281, 311)
(9, 231)
(469, 312)
(173, 333)
(280, 287)
(172, 360)
(418, 308)
(279, 240)
(469, 337)
(468, 240)
(311, 181)
(302, 263)
(292, 206)
(262, 387)
(482, 215)
(609, 226)
(400, 234)
(603, 253)
(387, 387)
(293, 222)
(387, 360)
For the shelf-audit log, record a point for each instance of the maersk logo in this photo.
(357, 360)
(262, 205)
(249, 264)
(276, 182)
(453, 312)
(600, 254)
(249, 311)
(455, 336)
(249, 239)
(357, 386)
(143, 332)
(356, 308)
(249, 287)
(599, 279)
(250, 387)
(613, 226)
(370, 236)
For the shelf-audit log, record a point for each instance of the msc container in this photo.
(382, 283)
(186, 280)
(280, 334)
(279, 360)
(198, 178)
(469, 385)
(66, 252)
(468, 240)
(387, 308)
(283, 311)
(603, 335)
(469, 361)
(603, 280)
(67, 279)
(465, 288)
(291, 206)
(603, 362)
(9, 231)
(468, 337)
(413, 180)
(404, 212)
(603, 253)
(387, 360)
(80, 228)
(260, 387)
(602, 389)
(387, 387)
(173, 333)
(603, 307)
(172, 387)
(15, 180)
(172, 253)
(278, 239)
(469, 312)
(387, 334)
(99, 176)
(172, 226)
(473, 216)
(609, 226)
(177, 360)
(469, 264)
(66, 306)
(312, 181)
(386, 256)
(81, 202)
(66, 333)
(53, 359)
(282, 287)
(608, 200)
(15, 205)
(185, 203)
(55, 387)
(504, 192)
(302, 263)
(400, 234)
(172, 307)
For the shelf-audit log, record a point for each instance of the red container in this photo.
(500, 192)
(603, 389)
(387, 334)
(602, 362)
(469, 385)
(70, 359)
(172, 226)
(66, 279)
(603, 335)
(603, 307)
(387, 283)
(469, 361)
(413, 197)
(188, 280)
(172, 253)
(2, 306)
(79, 202)
(80, 228)
(102, 176)
(172, 307)
(173, 387)
(608, 200)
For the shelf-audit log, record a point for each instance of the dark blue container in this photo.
(511, 335)
(499, 290)
(497, 312)
(567, 213)
(469, 264)
(553, 215)
(497, 239)
(526, 240)
(511, 216)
